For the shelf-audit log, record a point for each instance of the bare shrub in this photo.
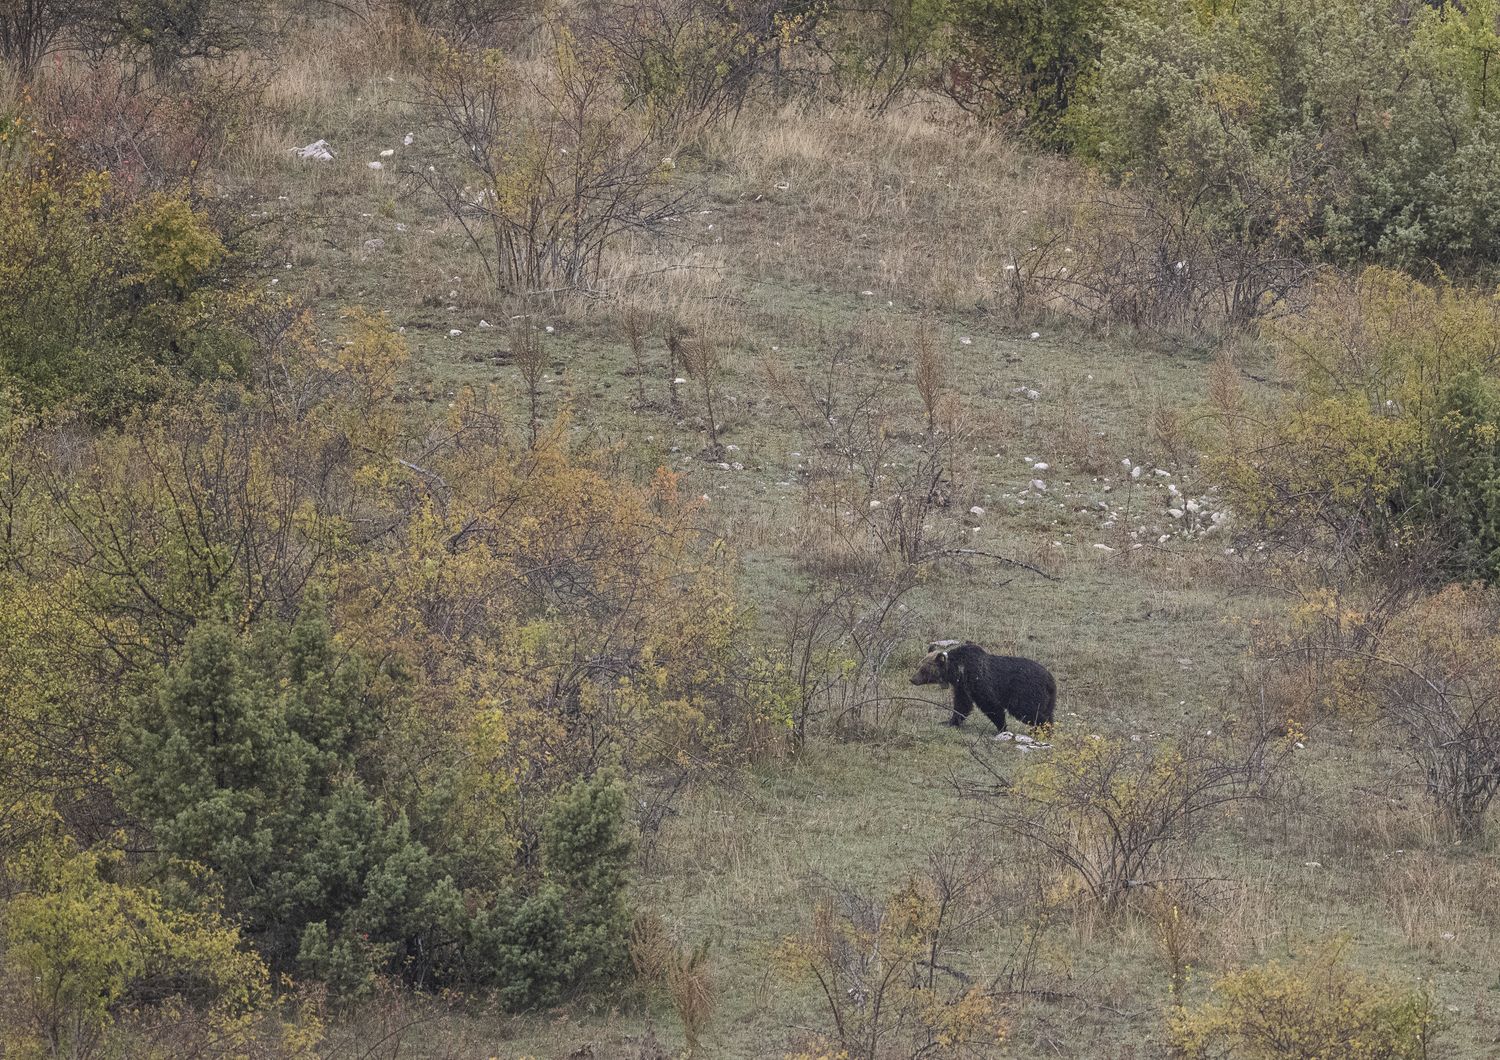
(1434, 677)
(703, 355)
(30, 30)
(149, 135)
(841, 633)
(887, 970)
(1116, 813)
(543, 165)
(930, 373)
(685, 64)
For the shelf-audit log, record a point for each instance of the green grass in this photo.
(1143, 641)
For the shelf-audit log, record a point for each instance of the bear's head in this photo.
(935, 669)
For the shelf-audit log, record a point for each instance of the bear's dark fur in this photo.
(997, 684)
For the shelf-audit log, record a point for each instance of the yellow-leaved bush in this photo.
(1382, 438)
(1314, 1009)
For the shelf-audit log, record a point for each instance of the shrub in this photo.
(106, 304)
(544, 170)
(883, 972)
(1431, 675)
(244, 762)
(1022, 60)
(1348, 130)
(82, 943)
(1383, 445)
(1115, 813)
(1312, 1010)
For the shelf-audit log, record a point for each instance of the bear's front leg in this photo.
(962, 704)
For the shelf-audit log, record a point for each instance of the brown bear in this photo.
(996, 684)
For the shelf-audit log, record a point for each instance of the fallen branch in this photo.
(996, 556)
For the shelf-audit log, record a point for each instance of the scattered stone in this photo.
(1040, 467)
(1036, 334)
(407, 140)
(1135, 472)
(317, 151)
(372, 245)
(375, 165)
(965, 341)
(1038, 485)
(454, 333)
(1104, 548)
(485, 324)
(388, 152)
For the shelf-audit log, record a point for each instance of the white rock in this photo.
(1021, 737)
(1175, 513)
(454, 333)
(407, 140)
(485, 324)
(867, 294)
(874, 504)
(965, 341)
(317, 151)
(548, 329)
(375, 165)
(679, 380)
(1104, 548)
(388, 152)
(1032, 395)
(976, 510)
(1005, 736)
(1039, 485)
(1135, 472)
(1039, 467)
(1036, 334)
(1125, 462)
(372, 245)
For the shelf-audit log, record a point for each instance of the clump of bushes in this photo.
(1384, 444)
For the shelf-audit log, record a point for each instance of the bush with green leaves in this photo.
(1022, 61)
(1386, 442)
(258, 758)
(107, 302)
(1348, 130)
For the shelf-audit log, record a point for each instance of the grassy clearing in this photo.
(819, 230)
